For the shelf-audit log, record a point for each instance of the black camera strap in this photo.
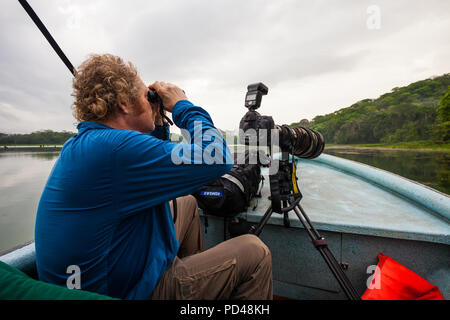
(175, 210)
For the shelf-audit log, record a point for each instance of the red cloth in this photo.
(392, 281)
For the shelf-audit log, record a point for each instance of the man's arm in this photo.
(151, 171)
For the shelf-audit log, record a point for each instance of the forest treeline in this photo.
(46, 137)
(417, 112)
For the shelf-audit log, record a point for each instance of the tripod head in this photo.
(284, 190)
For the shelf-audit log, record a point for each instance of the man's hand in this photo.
(170, 94)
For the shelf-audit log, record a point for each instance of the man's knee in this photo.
(192, 201)
(193, 205)
(254, 268)
(252, 246)
(187, 205)
(189, 202)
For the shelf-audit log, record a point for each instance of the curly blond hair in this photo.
(97, 84)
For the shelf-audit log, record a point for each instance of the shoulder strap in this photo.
(235, 181)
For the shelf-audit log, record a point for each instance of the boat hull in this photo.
(299, 271)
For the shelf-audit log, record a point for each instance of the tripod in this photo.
(285, 197)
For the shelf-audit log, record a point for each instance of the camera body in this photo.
(252, 122)
(251, 125)
(257, 129)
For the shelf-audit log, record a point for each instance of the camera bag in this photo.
(231, 193)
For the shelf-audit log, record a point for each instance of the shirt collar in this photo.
(91, 125)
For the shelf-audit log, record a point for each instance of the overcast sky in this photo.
(315, 56)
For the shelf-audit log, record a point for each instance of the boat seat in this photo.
(16, 285)
(19, 281)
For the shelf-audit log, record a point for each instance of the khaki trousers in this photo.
(239, 268)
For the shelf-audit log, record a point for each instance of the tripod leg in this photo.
(349, 289)
(257, 230)
(321, 245)
(319, 239)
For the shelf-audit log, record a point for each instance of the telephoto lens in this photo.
(301, 142)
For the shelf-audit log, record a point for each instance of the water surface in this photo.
(23, 175)
(431, 168)
(22, 179)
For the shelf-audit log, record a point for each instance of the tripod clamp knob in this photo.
(320, 243)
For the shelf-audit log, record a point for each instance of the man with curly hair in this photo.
(106, 206)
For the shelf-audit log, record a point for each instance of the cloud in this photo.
(316, 57)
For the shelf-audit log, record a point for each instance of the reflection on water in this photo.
(36, 155)
(22, 179)
(44, 155)
(430, 168)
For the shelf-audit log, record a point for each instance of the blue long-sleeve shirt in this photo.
(105, 205)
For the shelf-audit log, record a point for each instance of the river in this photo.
(24, 174)
(431, 168)
(22, 179)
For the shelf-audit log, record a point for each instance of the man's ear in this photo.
(123, 105)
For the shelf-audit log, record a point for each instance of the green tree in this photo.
(443, 118)
(45, 137)
(411, 113)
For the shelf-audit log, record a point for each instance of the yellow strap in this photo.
(294, 179)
